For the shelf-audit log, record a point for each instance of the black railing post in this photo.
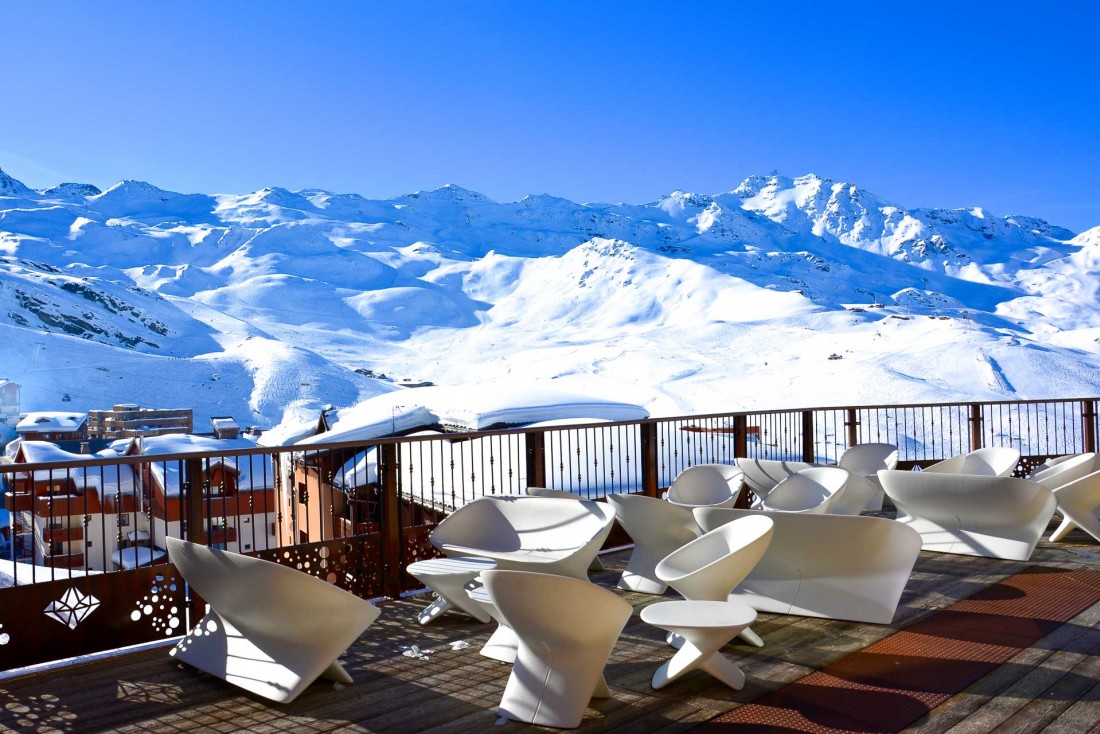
(536, 458)
(808, 442)
(976, 420)
(391, 520)
(650, 474)
(1089, 425)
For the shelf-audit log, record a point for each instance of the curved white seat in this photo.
(657, 528)
(710, 566)
(565, 630)
(761, 475)
(831, 566)
(815, 490)
(996, 517)
(271, 629)
(706, 485)
(562, 494)
(543, 534)
(864, 461)
(1058, 472)
(992, 461)
(1078, 501)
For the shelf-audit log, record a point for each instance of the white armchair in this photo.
(271, 629)
(706, 485)
(542, 534)
(832, 566)
(996, 517)
(864, 461)
(815, 490)
(657, 528)
(761, 475)
(993, 461)
(565, 630)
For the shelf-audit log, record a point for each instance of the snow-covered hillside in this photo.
(268, 305)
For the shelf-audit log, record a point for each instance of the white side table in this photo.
(448, 578)
(705, 626)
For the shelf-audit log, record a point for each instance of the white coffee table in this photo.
(704, 626)
(448, 578)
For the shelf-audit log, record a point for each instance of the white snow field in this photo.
(270, 305)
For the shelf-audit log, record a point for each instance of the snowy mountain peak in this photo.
(450, 193)
(73, 190)
(11, 187)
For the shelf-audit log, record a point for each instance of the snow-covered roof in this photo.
(47, 421)
(136, 556)
(253, 472)
(105, 479)
(470, 408)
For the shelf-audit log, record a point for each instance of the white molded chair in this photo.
(710, 566)
(1057, 473)
(657, 528)
(831, 566)
(271, 629)
(992, 461)
(996, 517)
(1078, 501)
(562, 494)
(864, 461)
(761, 475)
(566, 629)
(543, 534)
(816, 490)
(706, 485)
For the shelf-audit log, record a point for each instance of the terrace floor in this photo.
(418, 679)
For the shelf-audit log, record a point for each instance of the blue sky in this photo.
(926, 104)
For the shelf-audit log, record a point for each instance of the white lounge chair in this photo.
(831, 566)
(864, 461)
(996, 517)
(706, 485)
(596, 564)
(993, 461)
(815, 490)
(565, 630)
(761, 475)
(710, 566)
(1056, 473)
(542, 534)
(657, 528)
(271, 629)
(1078, 501)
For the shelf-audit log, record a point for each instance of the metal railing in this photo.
(84, 555)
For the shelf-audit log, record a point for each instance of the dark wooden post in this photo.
(650, 472)
(391, 520)
(852, 422)
(196, 525)
(975, 426)
(808, 443)
(741, 449)
(536, 458)
(1089, 425)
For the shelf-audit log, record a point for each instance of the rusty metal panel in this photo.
(79, 616)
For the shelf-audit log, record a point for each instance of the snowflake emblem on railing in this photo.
(5, 638)
(72, 608)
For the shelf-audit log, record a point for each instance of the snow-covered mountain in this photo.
(268, 305)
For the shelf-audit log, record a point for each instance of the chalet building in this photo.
(9, 403)
(91, 518)
(129, 420)
(52, 426)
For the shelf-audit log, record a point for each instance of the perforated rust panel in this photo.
(889, 685)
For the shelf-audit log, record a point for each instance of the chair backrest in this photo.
(517, 522)
(992, 461)
(705, 485)
(868, 458)
(761, 475)
(562, 494)
(1068, 469)
(969, 500)
(648, 519)
(715, 562)
(262, 598)
(815, 489)
(525, 599)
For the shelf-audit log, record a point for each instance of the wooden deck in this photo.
(419, 679)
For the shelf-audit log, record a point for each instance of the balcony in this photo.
(222, 536)
(67, 505)
(65, 560)
(18, 501)
(63, 535)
